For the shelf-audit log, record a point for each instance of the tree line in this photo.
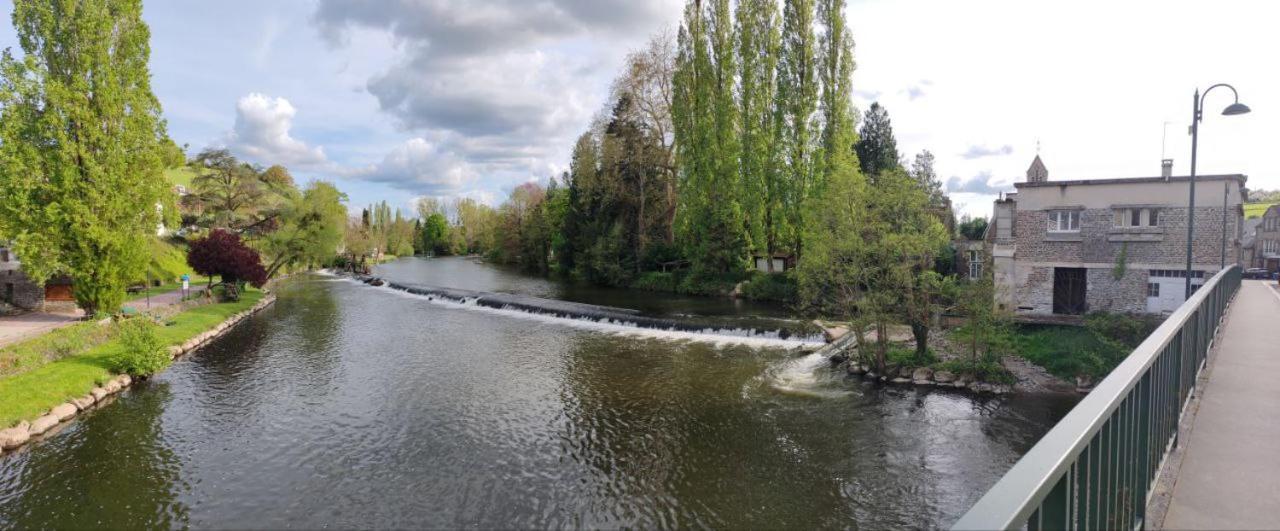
(736, 137)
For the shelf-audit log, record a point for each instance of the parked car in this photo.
(1257, 272)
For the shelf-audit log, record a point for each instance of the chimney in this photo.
(1166, 168)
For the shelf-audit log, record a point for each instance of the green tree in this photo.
(796, 114)
(837, 64)
(82, 145)
(435, 234)
(227, 191)
(877, 149)
(924, 174)
(311, 228)
(706, 131)
(758, 46)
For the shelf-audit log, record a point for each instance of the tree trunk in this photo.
(882, 346)
(921, 333)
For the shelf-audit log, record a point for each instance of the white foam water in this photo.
(610, 326)
(808, 375)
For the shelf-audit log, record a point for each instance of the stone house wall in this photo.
(1268, 231)
(1097, 247)
(27, 295)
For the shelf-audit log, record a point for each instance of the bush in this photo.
(702, 283)
(655, 281)
(906, 357)
(1124, 330)
(141, 353)
(778, 287)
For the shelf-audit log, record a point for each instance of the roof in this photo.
(1037, 171)
(1241, 178)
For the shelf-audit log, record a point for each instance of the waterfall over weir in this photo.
(612, 319)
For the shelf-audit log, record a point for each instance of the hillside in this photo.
(180, 176)
(1255, 210)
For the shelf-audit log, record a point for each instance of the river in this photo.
(345, 405)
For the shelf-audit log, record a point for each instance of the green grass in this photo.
(168, 261)
(1256, 210)
(28, 394)
(51, 346)
(180, 176)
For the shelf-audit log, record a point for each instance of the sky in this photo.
(399, 99)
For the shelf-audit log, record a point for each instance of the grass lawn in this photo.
(26, 395)
(181, 175)
(1255, 210)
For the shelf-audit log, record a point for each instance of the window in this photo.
(1174, 273)
(1064, 221)
(1271, 246)
(1153, 289)
(1137, 217)
(975, 264)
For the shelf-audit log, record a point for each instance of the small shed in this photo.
(781, 262)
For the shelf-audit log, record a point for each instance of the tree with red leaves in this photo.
(222, 253)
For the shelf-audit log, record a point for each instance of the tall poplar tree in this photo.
(758, 44)
(797, 109)
(704, 113)
(838, 136)
(82, 145)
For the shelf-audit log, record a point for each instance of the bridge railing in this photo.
(1095, 468)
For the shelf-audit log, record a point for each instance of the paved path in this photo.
(17, 328)
(1230, 475)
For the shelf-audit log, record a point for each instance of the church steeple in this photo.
(1037, 173)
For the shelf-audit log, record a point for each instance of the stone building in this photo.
(1118, 245)
(16, 290)
(1266, 241)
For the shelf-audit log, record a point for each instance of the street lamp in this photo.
(1197, 114)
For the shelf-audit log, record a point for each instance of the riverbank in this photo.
(30, 399)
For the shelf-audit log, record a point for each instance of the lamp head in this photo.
(1235, 108)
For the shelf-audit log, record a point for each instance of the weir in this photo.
(588, 312)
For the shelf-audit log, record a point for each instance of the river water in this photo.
(345, 405)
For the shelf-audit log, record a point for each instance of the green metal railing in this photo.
(1095, 468)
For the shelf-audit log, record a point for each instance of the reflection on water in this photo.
(344, 406)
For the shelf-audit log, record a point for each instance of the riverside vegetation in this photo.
(48, 370)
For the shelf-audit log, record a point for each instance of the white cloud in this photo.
(262, 133)
(420, 166)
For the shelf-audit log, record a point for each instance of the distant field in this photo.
(1255, 210)
(180, 176)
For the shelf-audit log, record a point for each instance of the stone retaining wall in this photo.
(45, 425)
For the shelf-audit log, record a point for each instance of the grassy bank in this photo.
(1092, 350)
(52, 375)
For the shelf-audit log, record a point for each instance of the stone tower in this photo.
(1037, 173)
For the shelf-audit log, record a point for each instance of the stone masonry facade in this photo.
(1096, 248)
(15, 288)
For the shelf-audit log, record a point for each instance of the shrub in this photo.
(705, 283)
(778, 287)
(655, 281)
(906, 357)
(1127, 331)
(141, 353)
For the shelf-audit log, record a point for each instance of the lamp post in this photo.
(1197, 114)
